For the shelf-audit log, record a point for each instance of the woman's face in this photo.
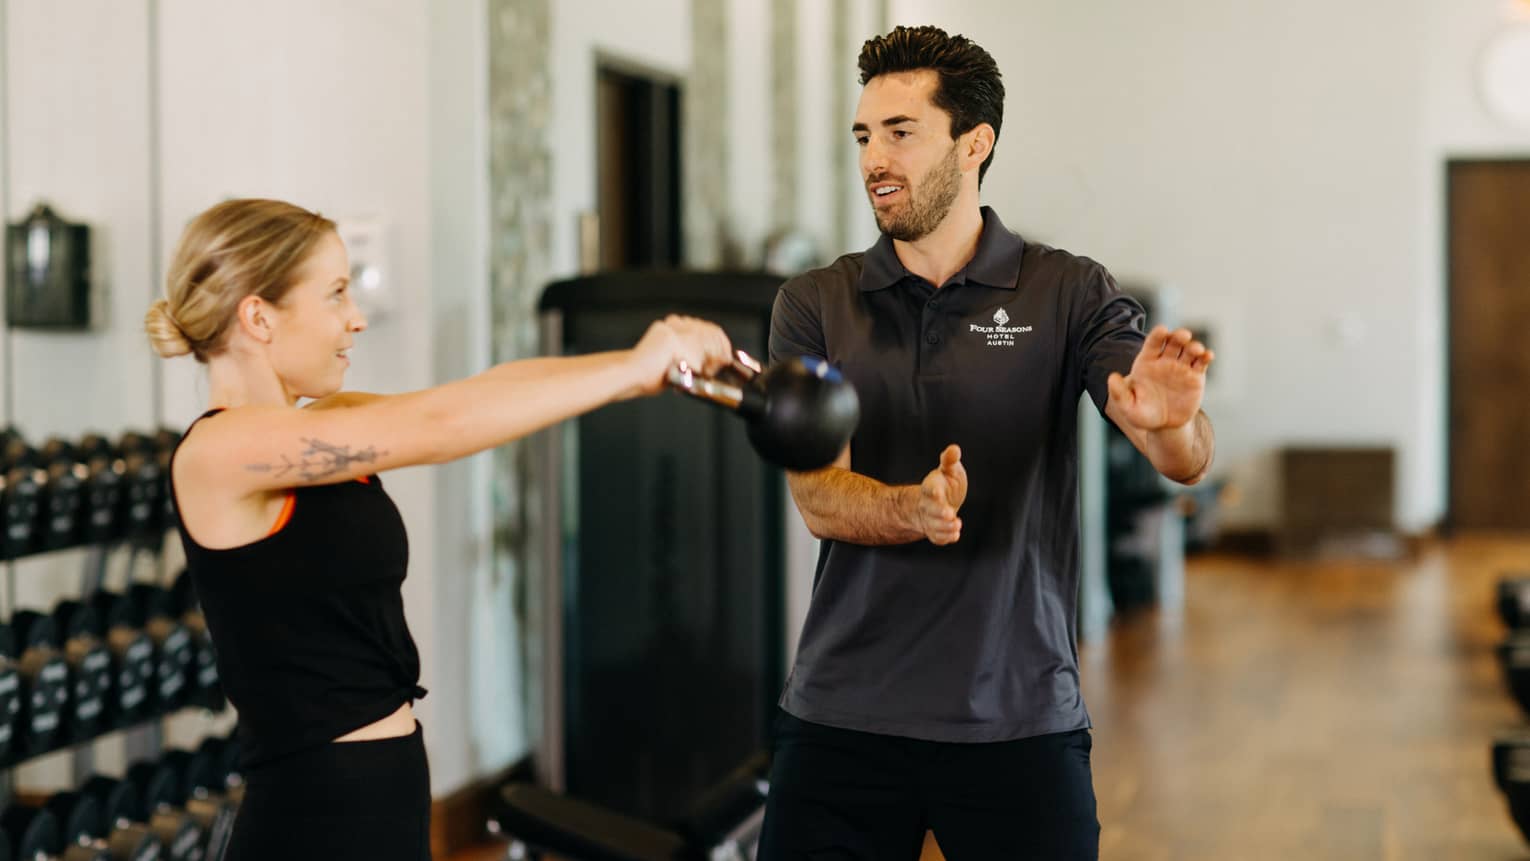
(315, 324)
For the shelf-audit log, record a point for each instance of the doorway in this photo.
(1489, 302)
(638, 145)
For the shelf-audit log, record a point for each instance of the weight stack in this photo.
(662, 586)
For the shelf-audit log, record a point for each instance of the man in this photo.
(936, 684)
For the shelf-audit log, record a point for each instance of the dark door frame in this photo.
(1448, 522)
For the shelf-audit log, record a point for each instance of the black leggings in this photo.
(346, 800)
(839, 795)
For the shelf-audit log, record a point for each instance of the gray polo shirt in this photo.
(975, 641)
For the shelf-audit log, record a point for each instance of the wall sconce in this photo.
(47, 284)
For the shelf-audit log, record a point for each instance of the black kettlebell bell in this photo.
(800, 412)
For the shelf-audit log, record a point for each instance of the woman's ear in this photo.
(255, 318)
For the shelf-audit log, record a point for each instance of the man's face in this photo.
(909, 161)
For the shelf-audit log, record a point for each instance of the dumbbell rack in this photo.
(145, 787)
(144, 731)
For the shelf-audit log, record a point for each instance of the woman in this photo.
(296, 551)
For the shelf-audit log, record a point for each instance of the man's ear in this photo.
(977, 145)
(255, 318)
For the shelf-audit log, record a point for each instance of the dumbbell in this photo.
(81, 828)
(163, 800)
(131, 651)
(39, 835)
(1510, 749)
(100, 471)
(206, 690)
(32, 831)
(20, 494)
(10, 436)
(82, 821)
(18, 453)
(92, 446)
(143, 487)
(103, 488)
(1511, 770)
(153, 611)
(800, 412)
(165, 442)
(219, 775)
(1514, 658)
(63, 493)
(1514, 600)
(20, 509)
(123, 820)
(223, 755)
(42, 503)
(88, 665)
(43, 677)
(204, 795)
(89, 658)
(10, 698)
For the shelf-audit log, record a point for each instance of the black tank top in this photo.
(308, 622)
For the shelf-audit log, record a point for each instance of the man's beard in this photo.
(926, 209)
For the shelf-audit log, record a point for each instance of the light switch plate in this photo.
(371, 277)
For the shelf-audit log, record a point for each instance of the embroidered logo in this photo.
(1001, 334)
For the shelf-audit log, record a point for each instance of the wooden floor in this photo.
(1313, 711)
(1307, 711)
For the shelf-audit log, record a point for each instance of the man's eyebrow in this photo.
(890, 121)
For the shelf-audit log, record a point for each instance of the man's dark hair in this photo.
(970, 89)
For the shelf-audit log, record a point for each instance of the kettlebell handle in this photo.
(732, 395)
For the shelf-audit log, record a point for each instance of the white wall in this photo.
(751, 167)
(474, 672)
(655, 35)
(1278, 165)
(817, 133)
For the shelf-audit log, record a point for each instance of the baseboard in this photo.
(457, 820)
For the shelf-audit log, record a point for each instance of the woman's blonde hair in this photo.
(236, 249)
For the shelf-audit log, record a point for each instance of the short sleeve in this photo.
(796, 325)
(1107, 332)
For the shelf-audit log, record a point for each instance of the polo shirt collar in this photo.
(995, 264)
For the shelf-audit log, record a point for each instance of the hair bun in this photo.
(165, 334)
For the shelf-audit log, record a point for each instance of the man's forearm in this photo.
(1182, 454)
(846, 506)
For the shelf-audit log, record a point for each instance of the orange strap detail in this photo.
(286, 515)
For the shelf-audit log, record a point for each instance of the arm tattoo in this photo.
(318, 461)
